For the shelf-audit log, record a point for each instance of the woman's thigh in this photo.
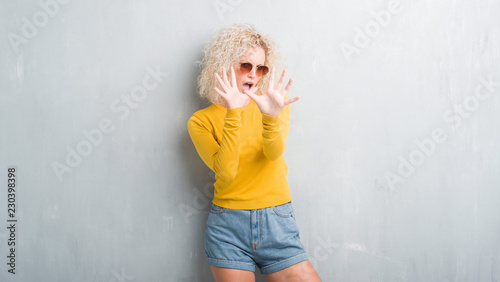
(229, 275)
(302, 271)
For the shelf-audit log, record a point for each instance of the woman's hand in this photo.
(231, 95)
(272, 101)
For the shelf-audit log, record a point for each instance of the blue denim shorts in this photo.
(241, 239)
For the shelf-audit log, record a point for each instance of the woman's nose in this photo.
(252, 73)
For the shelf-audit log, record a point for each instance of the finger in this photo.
(290, 81)
(282, 78)
(233, 77)
(252, 91)
(251, 94)
(271, 78)
(289, 101)
(220, 92)
(224, 76)
(222, 84)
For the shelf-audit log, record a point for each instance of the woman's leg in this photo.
(302, 271)
(230, 275)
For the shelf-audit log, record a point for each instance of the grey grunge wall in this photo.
(393, 151)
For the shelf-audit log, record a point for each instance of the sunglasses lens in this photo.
(246, 67)
(262, 70)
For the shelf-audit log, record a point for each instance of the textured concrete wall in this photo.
(393, 149)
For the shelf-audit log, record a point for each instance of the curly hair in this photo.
(225, 49)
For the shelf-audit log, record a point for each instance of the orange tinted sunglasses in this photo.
(260, 70)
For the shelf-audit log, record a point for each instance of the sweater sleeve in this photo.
(275, 132)
(221, 158)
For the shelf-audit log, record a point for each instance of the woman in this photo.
(241, 137)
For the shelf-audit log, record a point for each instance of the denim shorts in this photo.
(241, 239)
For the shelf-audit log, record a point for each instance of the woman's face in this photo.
(255, 56)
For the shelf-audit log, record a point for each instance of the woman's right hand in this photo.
(231, 94)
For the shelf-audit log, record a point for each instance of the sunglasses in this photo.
(260, 70)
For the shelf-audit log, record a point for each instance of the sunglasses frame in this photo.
(263, 69)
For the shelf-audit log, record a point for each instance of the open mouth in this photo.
(247, 86)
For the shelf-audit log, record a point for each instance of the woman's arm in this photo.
(220, 158)
(275, 115)
(275, 132)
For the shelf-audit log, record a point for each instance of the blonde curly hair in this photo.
(225, 49)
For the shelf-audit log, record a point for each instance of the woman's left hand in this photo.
(272, 101)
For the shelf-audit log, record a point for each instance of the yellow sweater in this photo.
(245, 150)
